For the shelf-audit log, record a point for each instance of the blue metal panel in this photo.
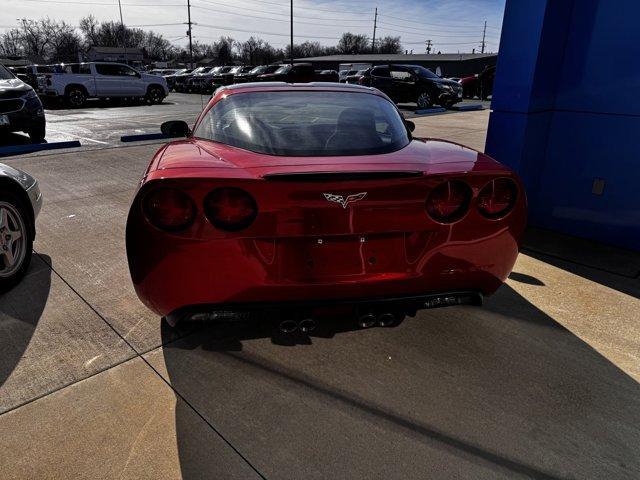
(566, 114)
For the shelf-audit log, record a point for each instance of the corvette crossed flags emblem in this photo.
(345, 201)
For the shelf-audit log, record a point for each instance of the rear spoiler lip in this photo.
(321, 176)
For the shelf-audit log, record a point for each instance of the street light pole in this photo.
(291, 33)
(124, 39)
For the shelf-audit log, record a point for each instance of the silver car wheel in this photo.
(424, 100)
(13, 241)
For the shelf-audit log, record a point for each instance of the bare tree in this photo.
(11, 43)
(64, 42)
(34, 38)
(353, 43)
(389, 45)
(90, 28)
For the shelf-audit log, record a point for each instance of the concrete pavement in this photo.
(542, 382)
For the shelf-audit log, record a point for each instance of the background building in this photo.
(115, 54)
(566, 114)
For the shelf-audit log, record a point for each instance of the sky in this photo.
(451, 25)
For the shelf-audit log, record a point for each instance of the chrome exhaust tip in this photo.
(386, 319)
(288, 326)
(307, 325)
(367, 320)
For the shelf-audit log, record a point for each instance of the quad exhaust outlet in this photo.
(290, 326)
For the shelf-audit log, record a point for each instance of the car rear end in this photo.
(312, 195)
(403, 235)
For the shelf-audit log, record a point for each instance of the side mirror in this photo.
(410, 125)
(175, 128)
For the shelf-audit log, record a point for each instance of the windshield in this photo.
(305, 123)
(424, 72)
(199, 69)
(5, 74)
(283, 69)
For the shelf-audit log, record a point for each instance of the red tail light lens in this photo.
(449, 201)
(169, 209)
(230, 208)
(497, 198)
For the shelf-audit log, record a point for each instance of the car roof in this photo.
(279, 86)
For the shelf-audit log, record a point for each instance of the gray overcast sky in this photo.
(452, 25)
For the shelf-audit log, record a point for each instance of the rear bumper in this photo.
(172, 276)
(403, 304)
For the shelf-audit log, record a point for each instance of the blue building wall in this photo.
(566, 114)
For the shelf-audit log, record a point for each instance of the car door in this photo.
(403, 84)
(117, 80)
(381, 80)
(131, 81)
(108, 82)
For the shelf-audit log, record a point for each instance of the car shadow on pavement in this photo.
(490, 389)
(626, 285)
(20, 311)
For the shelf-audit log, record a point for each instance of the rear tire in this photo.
(424, 100)
(16, 243)
(76, 97)
(155, 95)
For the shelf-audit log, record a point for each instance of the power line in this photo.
(262, 32)
(421, 32)
(244, 9)
(242, 14)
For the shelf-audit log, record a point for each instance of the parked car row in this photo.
(207, 79)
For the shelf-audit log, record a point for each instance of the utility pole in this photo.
(124, 34)
(375, 25)
(428, 46)
(291, 52)
(189, 34)
(484, 32)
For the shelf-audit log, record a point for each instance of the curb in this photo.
(470, 107)
(430, 111)
(36, 147)
(145, 136)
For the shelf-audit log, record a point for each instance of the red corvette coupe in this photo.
(296, 198)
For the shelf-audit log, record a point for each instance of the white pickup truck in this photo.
(76, 82)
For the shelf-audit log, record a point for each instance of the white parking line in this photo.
(78, 136)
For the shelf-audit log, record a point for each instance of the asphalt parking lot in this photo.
(541, 382)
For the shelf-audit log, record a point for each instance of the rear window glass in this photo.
(305, 123)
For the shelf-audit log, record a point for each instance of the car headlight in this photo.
(30, 94)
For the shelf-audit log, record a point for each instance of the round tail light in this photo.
(169, 209)
(449, 201)
(497, 197)
(230, 208)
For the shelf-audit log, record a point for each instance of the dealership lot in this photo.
(527, 386)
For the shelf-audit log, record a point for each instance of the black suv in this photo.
(295, 73)
(413, 83)
(20, 107)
